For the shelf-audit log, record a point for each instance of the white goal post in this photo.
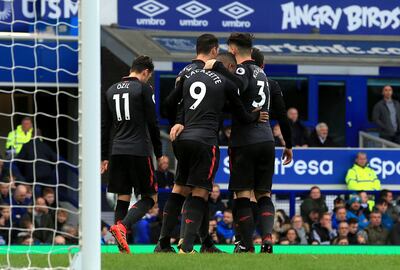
(89, 89)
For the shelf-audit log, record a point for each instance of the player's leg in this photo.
(193, 214)
(180, 191)
(171, 212)
(242, 182)
(264, 174)
(203, 167)
(120, 183)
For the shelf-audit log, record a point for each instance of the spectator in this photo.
(62, 218)
(292, 237)
(341, 241)
(225, 230)
(225, 135)
(1, 167)
(320, 137)
(5, 193)
(392, 211)
(376, 233)
(284, 241)
(353, 230)
(18, 137)
(394, 237)
(387, 221)
(366, 203)
(42, 170)
(147, 229)
(50, 198)
(215, 203)
(386, 115)
(106, 236)
(282, 221)
(165, 178)
(278, 137)
(322, 232)
(315, 201)
(43, 221)
(275, 237)
(5, 224)
(342, 232)
(361, 176)
(355, 211)
(339, 216)
(71, 234)
(59, 240)
(212, 230)
(338, 202)
(299, 131)
(19, 203)
(301, 228)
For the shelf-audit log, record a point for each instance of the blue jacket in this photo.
(387, 222)
(362, 220)
(225, 231)
(143, 230)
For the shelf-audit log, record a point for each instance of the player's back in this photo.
(203, 101)
(254, 95)
(125, 103)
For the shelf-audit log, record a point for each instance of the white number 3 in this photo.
(261, 93)
(197, 96)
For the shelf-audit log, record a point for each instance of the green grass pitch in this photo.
(286, 257)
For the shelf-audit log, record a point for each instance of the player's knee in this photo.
(182, 190)
(260, 194)
(243, 194)
(200, 192)
(124, 197)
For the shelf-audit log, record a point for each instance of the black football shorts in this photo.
(197, 164)
(252, 167)
(127, 172)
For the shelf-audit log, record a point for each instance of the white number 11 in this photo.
(125, 97)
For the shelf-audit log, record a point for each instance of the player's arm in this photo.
(278, 105)
(151, 119)
(239, 80)
(106, 122)
(238, 108)
(171, 102)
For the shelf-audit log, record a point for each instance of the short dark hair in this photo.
(26, 118)
(376, 211)
(205, 43)
(257, 56)
(384, 193)
(352, 221)
(340, 207)
(141, 63)
(228, 57)
(244, 41)
(228, 210)
(381, 201)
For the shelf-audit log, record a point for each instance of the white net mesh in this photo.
(39, 133)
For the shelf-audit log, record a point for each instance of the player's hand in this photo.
(287, 156)
(176, 130)
(210, 64)
(104, 166)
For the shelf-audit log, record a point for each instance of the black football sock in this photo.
(121, 210)
(245, 221)
(193, 216)
(235, 221)
(171, 212)
(137, 211)
(205, 237)
(183, 224)
(266, 217)
(254, 209)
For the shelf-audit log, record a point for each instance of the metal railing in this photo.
(370, 141)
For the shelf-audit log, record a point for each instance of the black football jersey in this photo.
(255, 93)
(170, 104)
(129, 107)
(204, 95)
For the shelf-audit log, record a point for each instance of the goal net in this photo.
(49, 146)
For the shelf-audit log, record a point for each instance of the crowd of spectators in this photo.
(35, 216)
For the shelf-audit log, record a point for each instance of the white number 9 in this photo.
(197, 96)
